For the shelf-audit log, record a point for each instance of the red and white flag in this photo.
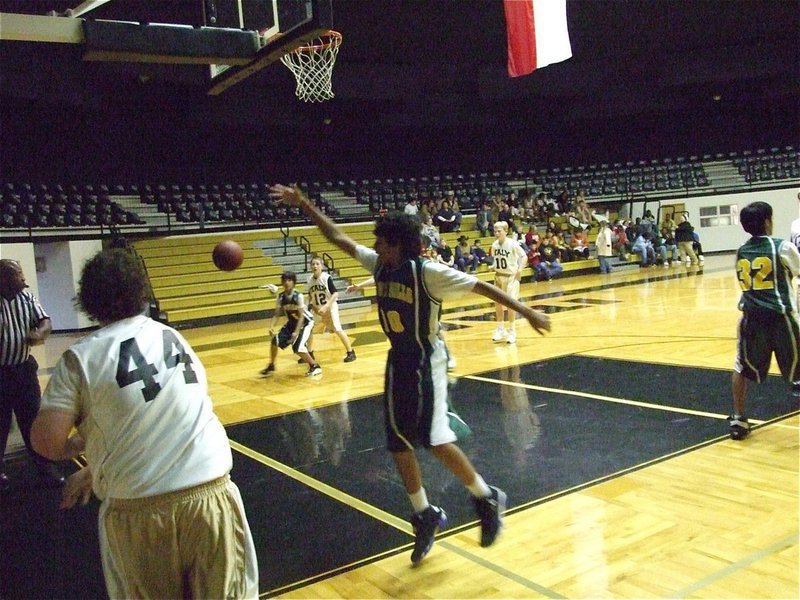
(537, 34)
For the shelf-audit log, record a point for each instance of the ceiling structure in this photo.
(643, 72)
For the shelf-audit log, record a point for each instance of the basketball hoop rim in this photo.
(334, 39)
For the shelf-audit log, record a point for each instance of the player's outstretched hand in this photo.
(269, 286)
(538, 320)
(291, 195)
(77, 488)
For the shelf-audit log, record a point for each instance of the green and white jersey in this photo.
(766, 267)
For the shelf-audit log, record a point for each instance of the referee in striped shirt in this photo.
(23, 323)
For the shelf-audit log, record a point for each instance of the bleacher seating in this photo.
(42, 205)
(769, 165)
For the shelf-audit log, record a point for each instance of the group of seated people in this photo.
(668, 245)
(558, 243)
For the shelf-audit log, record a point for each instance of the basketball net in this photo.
(312, 65)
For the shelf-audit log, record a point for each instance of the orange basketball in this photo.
(227, 255)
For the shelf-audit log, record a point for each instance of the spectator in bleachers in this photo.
(563, 203)
(647, 224)
(553, 228)
(643, 246)
(445, 218)
(483, 258)
(456, 208)
(505, 215)
(565, 253)
(465, 257)
(669, 223)
(605, 247)
(526, 201)
(549, 265)
(619, 239)
(582, 216)
(684, 236)
(579, 244)
(446, 253)
(483, 220)
(666, 248)
(632, 229)
(430, 235)
(532, 237)
(411, 207)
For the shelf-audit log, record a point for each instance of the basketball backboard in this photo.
(235, 38)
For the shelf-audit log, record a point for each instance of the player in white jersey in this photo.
(323, 300)
(509, 260)
(171, 523)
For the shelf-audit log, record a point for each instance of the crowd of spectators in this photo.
(553, 230)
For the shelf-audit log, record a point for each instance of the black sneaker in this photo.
(426, 524)
(270, 368)
(314, 370)
(739, 427)
(490, 512)
(351, 356)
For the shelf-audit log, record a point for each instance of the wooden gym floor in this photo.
(608, 434)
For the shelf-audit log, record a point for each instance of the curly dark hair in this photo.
(113, 286)
(399, 228)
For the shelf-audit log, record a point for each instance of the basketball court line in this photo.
(638, 403)
(501, 571)
(324, 488)
(779, 546)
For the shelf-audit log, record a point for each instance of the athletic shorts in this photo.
(284, 337)
(415, 401)
(508, 283)
(331, 318)
(762, 332)
(193, 543)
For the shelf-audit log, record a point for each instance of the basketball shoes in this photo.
(490, 512)
(426, 524)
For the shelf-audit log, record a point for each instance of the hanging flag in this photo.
(537, 34)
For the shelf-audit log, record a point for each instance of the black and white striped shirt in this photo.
(17, 317)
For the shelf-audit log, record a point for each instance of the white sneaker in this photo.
(666, 265)
(688, 261)
(512, 337)
(700, 259)
(499, 334)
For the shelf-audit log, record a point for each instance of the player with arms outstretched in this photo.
(410, 290)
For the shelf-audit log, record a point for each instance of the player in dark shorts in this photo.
(766, 268)
(410, 290)
(297, 329)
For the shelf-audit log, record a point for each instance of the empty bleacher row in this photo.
(768, 165)
(27, 206)
(220, 203)
(628, 178)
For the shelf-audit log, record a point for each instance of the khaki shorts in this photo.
(509, 284)
(330, 319)
(193, 543)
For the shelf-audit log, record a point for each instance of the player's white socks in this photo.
(478, 488)
(419, 500)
